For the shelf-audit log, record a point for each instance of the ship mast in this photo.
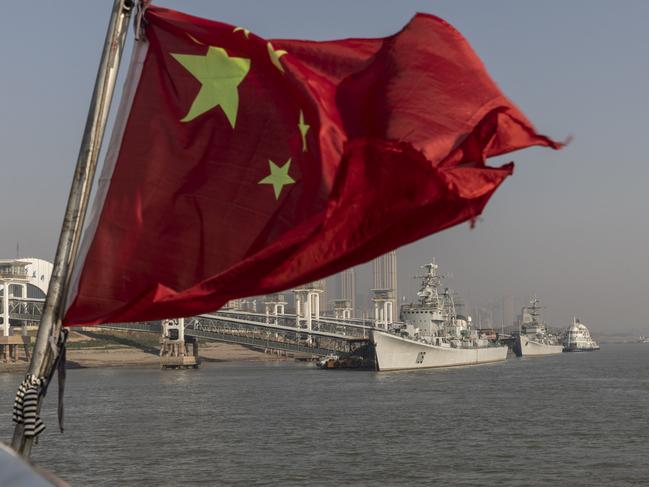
(428, 293)
(502, 318)
(534, 309)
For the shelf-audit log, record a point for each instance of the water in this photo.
(572, 419)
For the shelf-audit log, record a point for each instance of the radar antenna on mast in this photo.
(430, 282)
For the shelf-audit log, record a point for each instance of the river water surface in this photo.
(572, 419)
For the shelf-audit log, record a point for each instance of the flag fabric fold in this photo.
(241, 166)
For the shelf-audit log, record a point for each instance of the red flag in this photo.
(242, 167)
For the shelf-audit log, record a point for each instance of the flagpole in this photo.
(44, 356)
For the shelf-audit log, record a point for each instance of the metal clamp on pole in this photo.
(44, 357)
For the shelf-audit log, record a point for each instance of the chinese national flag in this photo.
(241, 167)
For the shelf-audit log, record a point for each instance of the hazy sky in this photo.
(570, 226)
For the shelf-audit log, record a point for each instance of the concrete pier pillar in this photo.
(383, 307)
(5, 308)
(316, 301)
(181, 329)
(307, 312)
(389, 317)
(173, 349)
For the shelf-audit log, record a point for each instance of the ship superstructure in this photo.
(533, 338)
(431, 333)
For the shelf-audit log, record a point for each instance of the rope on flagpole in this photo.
(139, 18)
(50, 342)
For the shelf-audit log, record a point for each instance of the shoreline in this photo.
(82, 355)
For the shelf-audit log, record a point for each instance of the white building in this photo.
(26, 278)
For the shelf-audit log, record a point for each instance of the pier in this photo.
(304, 332)
(17, 314)
(270, 333)
(175, 350)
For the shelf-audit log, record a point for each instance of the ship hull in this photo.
(524, 347)
(396, 353)
(581, 349)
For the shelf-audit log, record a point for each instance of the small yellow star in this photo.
(275, 54)
(278, 177)
(246, 32)
(304, 128)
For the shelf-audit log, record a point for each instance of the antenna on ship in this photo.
(502, 318)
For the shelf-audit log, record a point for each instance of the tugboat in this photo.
(431, 334)
(578, 338)
(328, 362)
(533, 338)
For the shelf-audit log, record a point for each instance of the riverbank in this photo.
(109, 348)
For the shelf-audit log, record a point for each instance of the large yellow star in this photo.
(219, 75)
(278, 177)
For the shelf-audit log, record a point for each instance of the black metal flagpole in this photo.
(45, 349)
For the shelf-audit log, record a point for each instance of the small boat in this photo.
(578, 339)
(327, 362)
